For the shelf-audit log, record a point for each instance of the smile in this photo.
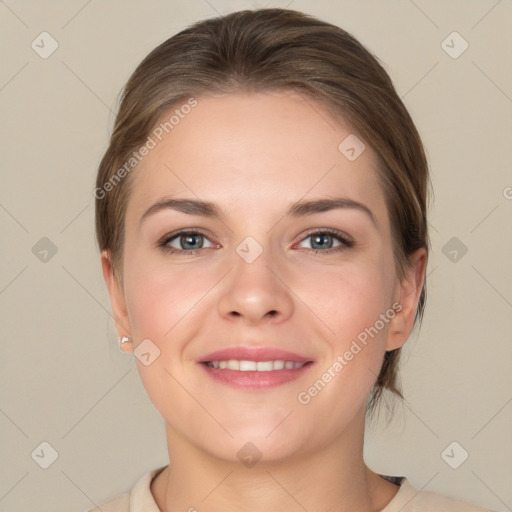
(251, 366)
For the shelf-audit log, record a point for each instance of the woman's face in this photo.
(258, 276)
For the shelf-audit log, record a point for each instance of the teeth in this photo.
(233, 365)
(252, 366)
(278, 365)
(248, 366)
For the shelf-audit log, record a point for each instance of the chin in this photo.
(255, 443)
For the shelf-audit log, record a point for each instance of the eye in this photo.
(324, 241)
(191, 241)
(187, 242)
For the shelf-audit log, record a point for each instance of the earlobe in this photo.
(117, 301)
(409, 292)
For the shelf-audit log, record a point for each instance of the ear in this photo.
(408, 292)
(117, 301)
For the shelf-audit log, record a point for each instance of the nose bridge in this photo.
(252, 263)
(253, 289)
(250, 250)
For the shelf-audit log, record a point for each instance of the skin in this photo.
(253, 155)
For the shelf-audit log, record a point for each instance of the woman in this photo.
(261, 216)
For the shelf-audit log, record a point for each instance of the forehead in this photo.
(260, 150)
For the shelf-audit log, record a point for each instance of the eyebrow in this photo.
(297, 209)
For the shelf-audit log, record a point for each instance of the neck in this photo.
(332, 478)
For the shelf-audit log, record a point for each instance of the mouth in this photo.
(253, 368)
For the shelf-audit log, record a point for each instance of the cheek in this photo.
(352, 308)
(354, 304)
(162, 301)
(348, 299)
(150, 304)
(162, 306)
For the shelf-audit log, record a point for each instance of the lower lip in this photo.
(255, 379)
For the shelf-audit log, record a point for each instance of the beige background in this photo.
(64, 380)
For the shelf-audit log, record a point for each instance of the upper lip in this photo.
(248, 353)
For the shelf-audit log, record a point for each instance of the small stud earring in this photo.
(124, 339)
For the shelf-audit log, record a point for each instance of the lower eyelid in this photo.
(344, 242)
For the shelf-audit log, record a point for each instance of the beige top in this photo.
(407, 499)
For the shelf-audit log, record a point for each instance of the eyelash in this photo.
(345, 242)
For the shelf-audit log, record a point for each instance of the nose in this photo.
(255, 292)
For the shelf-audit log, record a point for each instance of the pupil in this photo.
(319, 238)
(189, 239)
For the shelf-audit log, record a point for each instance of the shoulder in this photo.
(120, 503)
(139, 499)
(410, 499)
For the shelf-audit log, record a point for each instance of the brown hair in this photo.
(275, 49)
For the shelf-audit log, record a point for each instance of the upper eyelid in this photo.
(175, 234)
(344, 238)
